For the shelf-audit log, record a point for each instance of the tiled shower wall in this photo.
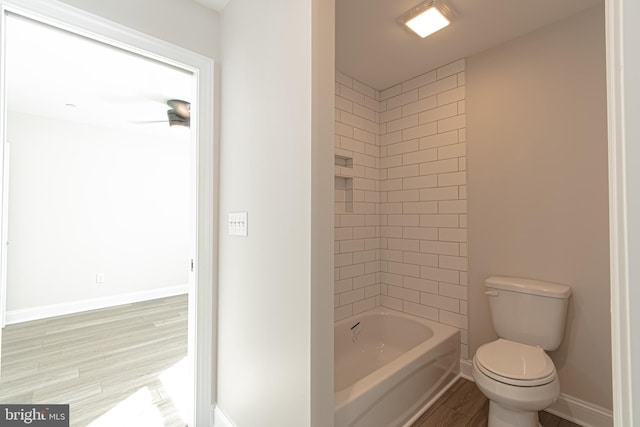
(401, 211)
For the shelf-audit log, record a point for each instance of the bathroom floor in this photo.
(464, 405)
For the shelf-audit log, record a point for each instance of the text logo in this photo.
(34, 415)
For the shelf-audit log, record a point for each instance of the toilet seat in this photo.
(515, 364)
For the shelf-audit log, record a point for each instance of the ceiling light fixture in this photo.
(428, 17)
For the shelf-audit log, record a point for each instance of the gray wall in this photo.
(538, 189)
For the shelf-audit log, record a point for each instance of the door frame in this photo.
(202, 296)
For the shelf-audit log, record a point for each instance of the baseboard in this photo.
(568, 407)
(580, 412)
(220, 419)
(43, 312)
(465, 369)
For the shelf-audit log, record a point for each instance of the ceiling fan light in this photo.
(428, 17)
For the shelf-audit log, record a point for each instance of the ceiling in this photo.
(59, 75)
(374, 49)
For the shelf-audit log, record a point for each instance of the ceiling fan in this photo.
(178, 114)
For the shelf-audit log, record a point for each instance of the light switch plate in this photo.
(237, 223)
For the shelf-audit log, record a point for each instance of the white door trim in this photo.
(202, 303)
(623, 65)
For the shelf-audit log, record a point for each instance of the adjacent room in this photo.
(99, 219)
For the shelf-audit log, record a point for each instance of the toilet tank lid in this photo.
(528, 286)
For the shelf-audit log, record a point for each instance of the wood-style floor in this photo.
(117, 366)
(463, 405)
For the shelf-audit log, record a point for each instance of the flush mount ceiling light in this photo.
(428, 17)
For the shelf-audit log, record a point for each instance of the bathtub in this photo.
(388, 365)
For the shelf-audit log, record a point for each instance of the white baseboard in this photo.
(220, 420)
(580, 412)
(43, 312)
(465, 369)
(567, 407)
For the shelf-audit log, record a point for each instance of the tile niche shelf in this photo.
(343, 184)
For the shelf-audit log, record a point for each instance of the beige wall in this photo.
(537, 178)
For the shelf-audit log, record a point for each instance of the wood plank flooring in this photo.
(124, 365)
(463, 405)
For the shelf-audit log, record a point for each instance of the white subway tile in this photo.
(420, 105)
(439, 193)
(371, 291)
(452, 206)
(438, 86)
(448, 220)
(364, 256)
(365, 136)
(446, 111)
(340, 260)
(419, 258)
(420, 131)
(392, 303)
(418, 81)
(403, 244)
(439, 140)
(391, 184)
(352, 220)
(404, 294)
(451, 97)
(351, 296)
(421, 285)
(450, 69)
(453, 319)
(343, 233)
(439, 166)
(364, 305)
(463, 192)
(404, 220)
(403, 123)
(390, 92)
(388, 231)
(403, 196)
(343, 79)
(403, 147)
(462, 107)
(351, 271)
(451, 151)
(352, 145)
(420, 310)
(390, 115)
(464, 249)
(436, 247)
(364, 232)
(363, 281)
(352, 95)
(389, 138)
(344, 104)
(343, 286)
(452, 178)
(351, 245)
(420, 207)
(404, 269)
(462, 80)
(453, 291)
(452, 234)
(452, 123)
(391, 208)
(420, 156)
(440, 275)
(443, 303)
(391, 255)
(343, 130)
(365, 113)
(419, 233)
(342, 313)
(453, 262)
(402, 99)
(372, 267)
(392, 279)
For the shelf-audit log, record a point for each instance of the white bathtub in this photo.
(389, 366)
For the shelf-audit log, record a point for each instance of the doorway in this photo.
(200, 246)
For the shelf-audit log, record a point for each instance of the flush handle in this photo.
(492, 293)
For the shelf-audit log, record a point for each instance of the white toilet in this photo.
(514, 372)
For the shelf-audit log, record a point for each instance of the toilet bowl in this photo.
(514, 372)
(518, 379)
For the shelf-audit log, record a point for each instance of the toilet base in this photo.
(499, 416)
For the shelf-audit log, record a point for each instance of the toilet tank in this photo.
(528, 311)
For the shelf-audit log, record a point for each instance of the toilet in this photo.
(515, 372)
